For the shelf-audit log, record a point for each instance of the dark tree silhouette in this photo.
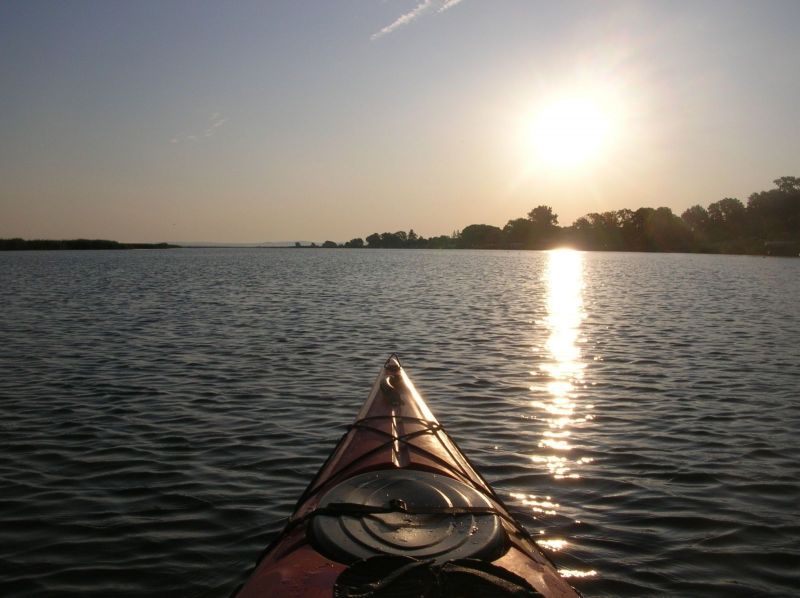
(775, 214)
(696, 218)
(543, 217)
(770, 223)
(519, 233)
(727, 218)
(480, 236)
(788, 184)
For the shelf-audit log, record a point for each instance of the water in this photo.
(162, 410)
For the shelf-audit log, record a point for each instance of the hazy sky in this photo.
(255, 121)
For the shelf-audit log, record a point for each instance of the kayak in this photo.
(398, 510)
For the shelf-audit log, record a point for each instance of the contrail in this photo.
(448, 5)
(418, 10)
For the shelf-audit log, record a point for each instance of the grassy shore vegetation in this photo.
(37, 244)
(768, 225)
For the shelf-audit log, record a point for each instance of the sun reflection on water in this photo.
(562, 371)
(577, 573)
(558, 398)
(553, 543)
(538, 504)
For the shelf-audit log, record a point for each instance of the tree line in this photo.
(768, 224)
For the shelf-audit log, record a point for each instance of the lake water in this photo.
(161, 411)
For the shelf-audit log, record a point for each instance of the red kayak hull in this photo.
(395, 429)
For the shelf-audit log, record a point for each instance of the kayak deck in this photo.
(396, 484)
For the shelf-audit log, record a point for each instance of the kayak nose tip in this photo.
(392, 364)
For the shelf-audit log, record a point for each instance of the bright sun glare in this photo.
(570, 132)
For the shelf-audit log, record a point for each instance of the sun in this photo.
(570, 132)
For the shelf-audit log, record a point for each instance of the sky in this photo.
(277, 120)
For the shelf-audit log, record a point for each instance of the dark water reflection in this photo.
(161, 411)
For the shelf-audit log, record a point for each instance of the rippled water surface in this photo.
(162, 410)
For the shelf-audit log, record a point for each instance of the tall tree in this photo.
(480, 236)
(519, 233)
(788, 184)
(727, 218)
(775, 214)
(696, 218)
(667, 232)
(543, 216)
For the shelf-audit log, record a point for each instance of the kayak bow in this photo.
(398, 510)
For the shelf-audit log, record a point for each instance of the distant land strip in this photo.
(768, 225)
(49, 244)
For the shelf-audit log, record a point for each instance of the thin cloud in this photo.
(448, 5)
(420, 9)
(214, 122)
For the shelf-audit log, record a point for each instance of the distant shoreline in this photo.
(73, 244)
(792, 250)
(789, 250)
